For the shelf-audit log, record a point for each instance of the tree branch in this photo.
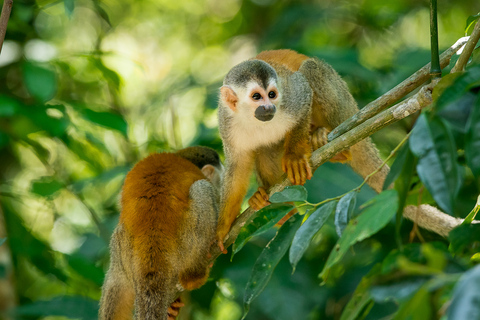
(467, 51)
(395, 94)
(6, 9)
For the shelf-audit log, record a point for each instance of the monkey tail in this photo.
(365, 160)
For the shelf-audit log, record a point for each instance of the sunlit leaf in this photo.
(268, 260)
(344, 211)
(46, 187)
(437, 167)
(24, 244)
(306, 232)
(466, 296)
(41, 82)
(290, 193)
(110, 75)
(107, 119)
(74, 307)
(371, 220)
(471, 20)
(261, 221)
(472, 140)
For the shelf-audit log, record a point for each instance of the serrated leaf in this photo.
(306, 232)
(46, 187)
(433, 144)
(261, 221)
(466, 296)
(291, 193)
(268, 260)
(344, 211)
(372, 219)
(106, 119)
(472, 140)
(41, 82)
(74, 307)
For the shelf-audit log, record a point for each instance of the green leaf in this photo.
(306, 232)
(466, 296)
(464, 236)
(397, 291)
(86, 268)
(396, 167)
(471, 23)
(4, 139)
(472, 140)
(41, 82)
(291, 193)
(74, 307)
(106, 119)
(374, 217)
(461, 85)
(46, 186)
(110, 75)
(361, 299)
(268, 260)
(261, 221)
(417, 308)
(69, 7)
(8, 106)
(437, 167)
(344, 211)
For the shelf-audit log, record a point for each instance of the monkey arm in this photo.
(234, 187)
(297, 102)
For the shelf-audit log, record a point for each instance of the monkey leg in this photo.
(117, 297)
(153, 295)
(194, 277)
(318, 139)
(259, 199)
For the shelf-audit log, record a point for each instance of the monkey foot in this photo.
(174, 309)
(259, 199)
(297, 169)
(319, 139)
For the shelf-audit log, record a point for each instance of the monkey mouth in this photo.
(265, 113)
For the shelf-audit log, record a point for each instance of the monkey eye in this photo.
(272, 94)
(256, 96)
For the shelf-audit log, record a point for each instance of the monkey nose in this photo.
(265, 112)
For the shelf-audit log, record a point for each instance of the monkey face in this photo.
(262, 100)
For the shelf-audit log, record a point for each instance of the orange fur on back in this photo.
(290, 59)
(154, 199)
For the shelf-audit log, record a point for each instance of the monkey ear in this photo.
(209, 171)
(229, 97)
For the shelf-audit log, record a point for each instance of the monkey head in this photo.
(251, 90)
(207, 160)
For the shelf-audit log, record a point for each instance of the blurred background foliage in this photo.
(89, 87)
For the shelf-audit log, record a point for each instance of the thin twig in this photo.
(467, 51)
(395, 94)
(6, 9)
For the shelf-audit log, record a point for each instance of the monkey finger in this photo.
(296, 172)
(263, 193)
(261, 199)
(289, 171)
(309, 170)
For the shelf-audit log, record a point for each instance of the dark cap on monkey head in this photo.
(200, 156)
(250, 70)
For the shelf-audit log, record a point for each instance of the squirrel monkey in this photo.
(273, 110)
(167, 225)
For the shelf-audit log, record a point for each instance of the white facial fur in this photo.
(249, 133)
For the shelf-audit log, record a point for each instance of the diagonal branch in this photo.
(395, 94)
(6, 9)
(467, 51)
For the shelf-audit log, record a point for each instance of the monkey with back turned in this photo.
(167, 225)
(273, 110)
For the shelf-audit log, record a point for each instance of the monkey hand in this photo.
(259, 199)
(174, 309)
(319, 139)
(297, 168)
